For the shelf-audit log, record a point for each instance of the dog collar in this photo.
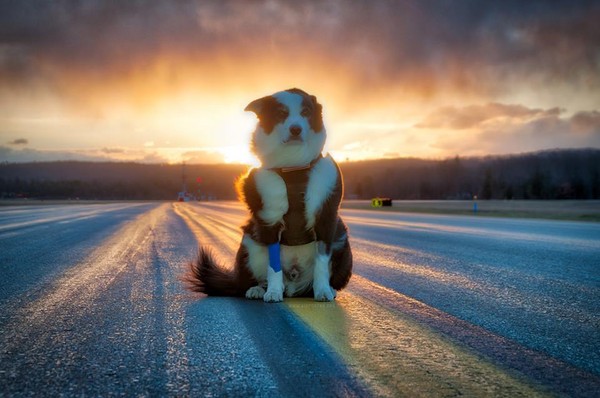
(282, 170)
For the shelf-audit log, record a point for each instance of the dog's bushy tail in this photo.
(208, 277)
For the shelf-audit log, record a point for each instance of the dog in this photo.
(295, 243)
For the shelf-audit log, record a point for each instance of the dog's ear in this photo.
(316, 121)
(318, 107)
(265, 109)
(257, 106)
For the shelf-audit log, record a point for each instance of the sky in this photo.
(167, 81)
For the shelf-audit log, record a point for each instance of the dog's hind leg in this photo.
(341, 262)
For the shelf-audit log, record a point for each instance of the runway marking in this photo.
(397, 356)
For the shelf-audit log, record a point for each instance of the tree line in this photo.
(556, 174)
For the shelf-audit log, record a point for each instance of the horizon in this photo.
(558, 174)
(167, 83)
(341, 162)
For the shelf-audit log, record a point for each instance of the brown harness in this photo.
(296, 182)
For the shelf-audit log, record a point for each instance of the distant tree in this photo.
(426, 191)
(559, 174)
(537, 187)
(487, 188)
(595, 184)
(368, 187)
(508, 192)
(579, 191)
(359, 191)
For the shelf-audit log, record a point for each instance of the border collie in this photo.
(295, 243)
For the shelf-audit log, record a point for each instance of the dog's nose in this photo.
(295, 130)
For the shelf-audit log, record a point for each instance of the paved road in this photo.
(91, 304)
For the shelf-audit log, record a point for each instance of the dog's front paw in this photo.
(255, 293)
(273, 296)
(324, 293)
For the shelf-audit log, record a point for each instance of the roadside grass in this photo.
(571, 210)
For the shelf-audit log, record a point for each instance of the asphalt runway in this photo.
(91, 304)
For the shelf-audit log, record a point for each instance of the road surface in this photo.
(91, 304)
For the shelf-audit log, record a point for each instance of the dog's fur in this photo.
(293, 199)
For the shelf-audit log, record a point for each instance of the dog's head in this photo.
(290, 129)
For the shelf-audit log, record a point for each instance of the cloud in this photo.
(203, 157)
(500, 129)
(34, 155)
(19, 141)
(91, 155)
(475, 116)
(97, 69)
(110, 151)
(586, 123)
(423, 46)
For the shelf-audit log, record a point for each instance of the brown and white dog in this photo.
(294, 243)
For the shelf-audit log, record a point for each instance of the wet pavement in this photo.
(91, 303)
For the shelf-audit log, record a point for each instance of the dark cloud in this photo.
(586, 123)
(466, 44)
(19, 141)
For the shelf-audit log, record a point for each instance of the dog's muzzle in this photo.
(295, 134)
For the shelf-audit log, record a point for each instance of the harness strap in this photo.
(296, 181)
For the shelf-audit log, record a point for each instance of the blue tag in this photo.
(275, 257)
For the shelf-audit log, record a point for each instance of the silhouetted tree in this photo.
(487, 189)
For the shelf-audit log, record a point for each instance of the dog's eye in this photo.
(282, 113)
(306, 112)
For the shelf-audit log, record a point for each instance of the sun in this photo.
(239, 155)
(216, 132)
(237, 127)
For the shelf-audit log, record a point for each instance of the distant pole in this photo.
(199, 181)
(183, 187)
(475, 204)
